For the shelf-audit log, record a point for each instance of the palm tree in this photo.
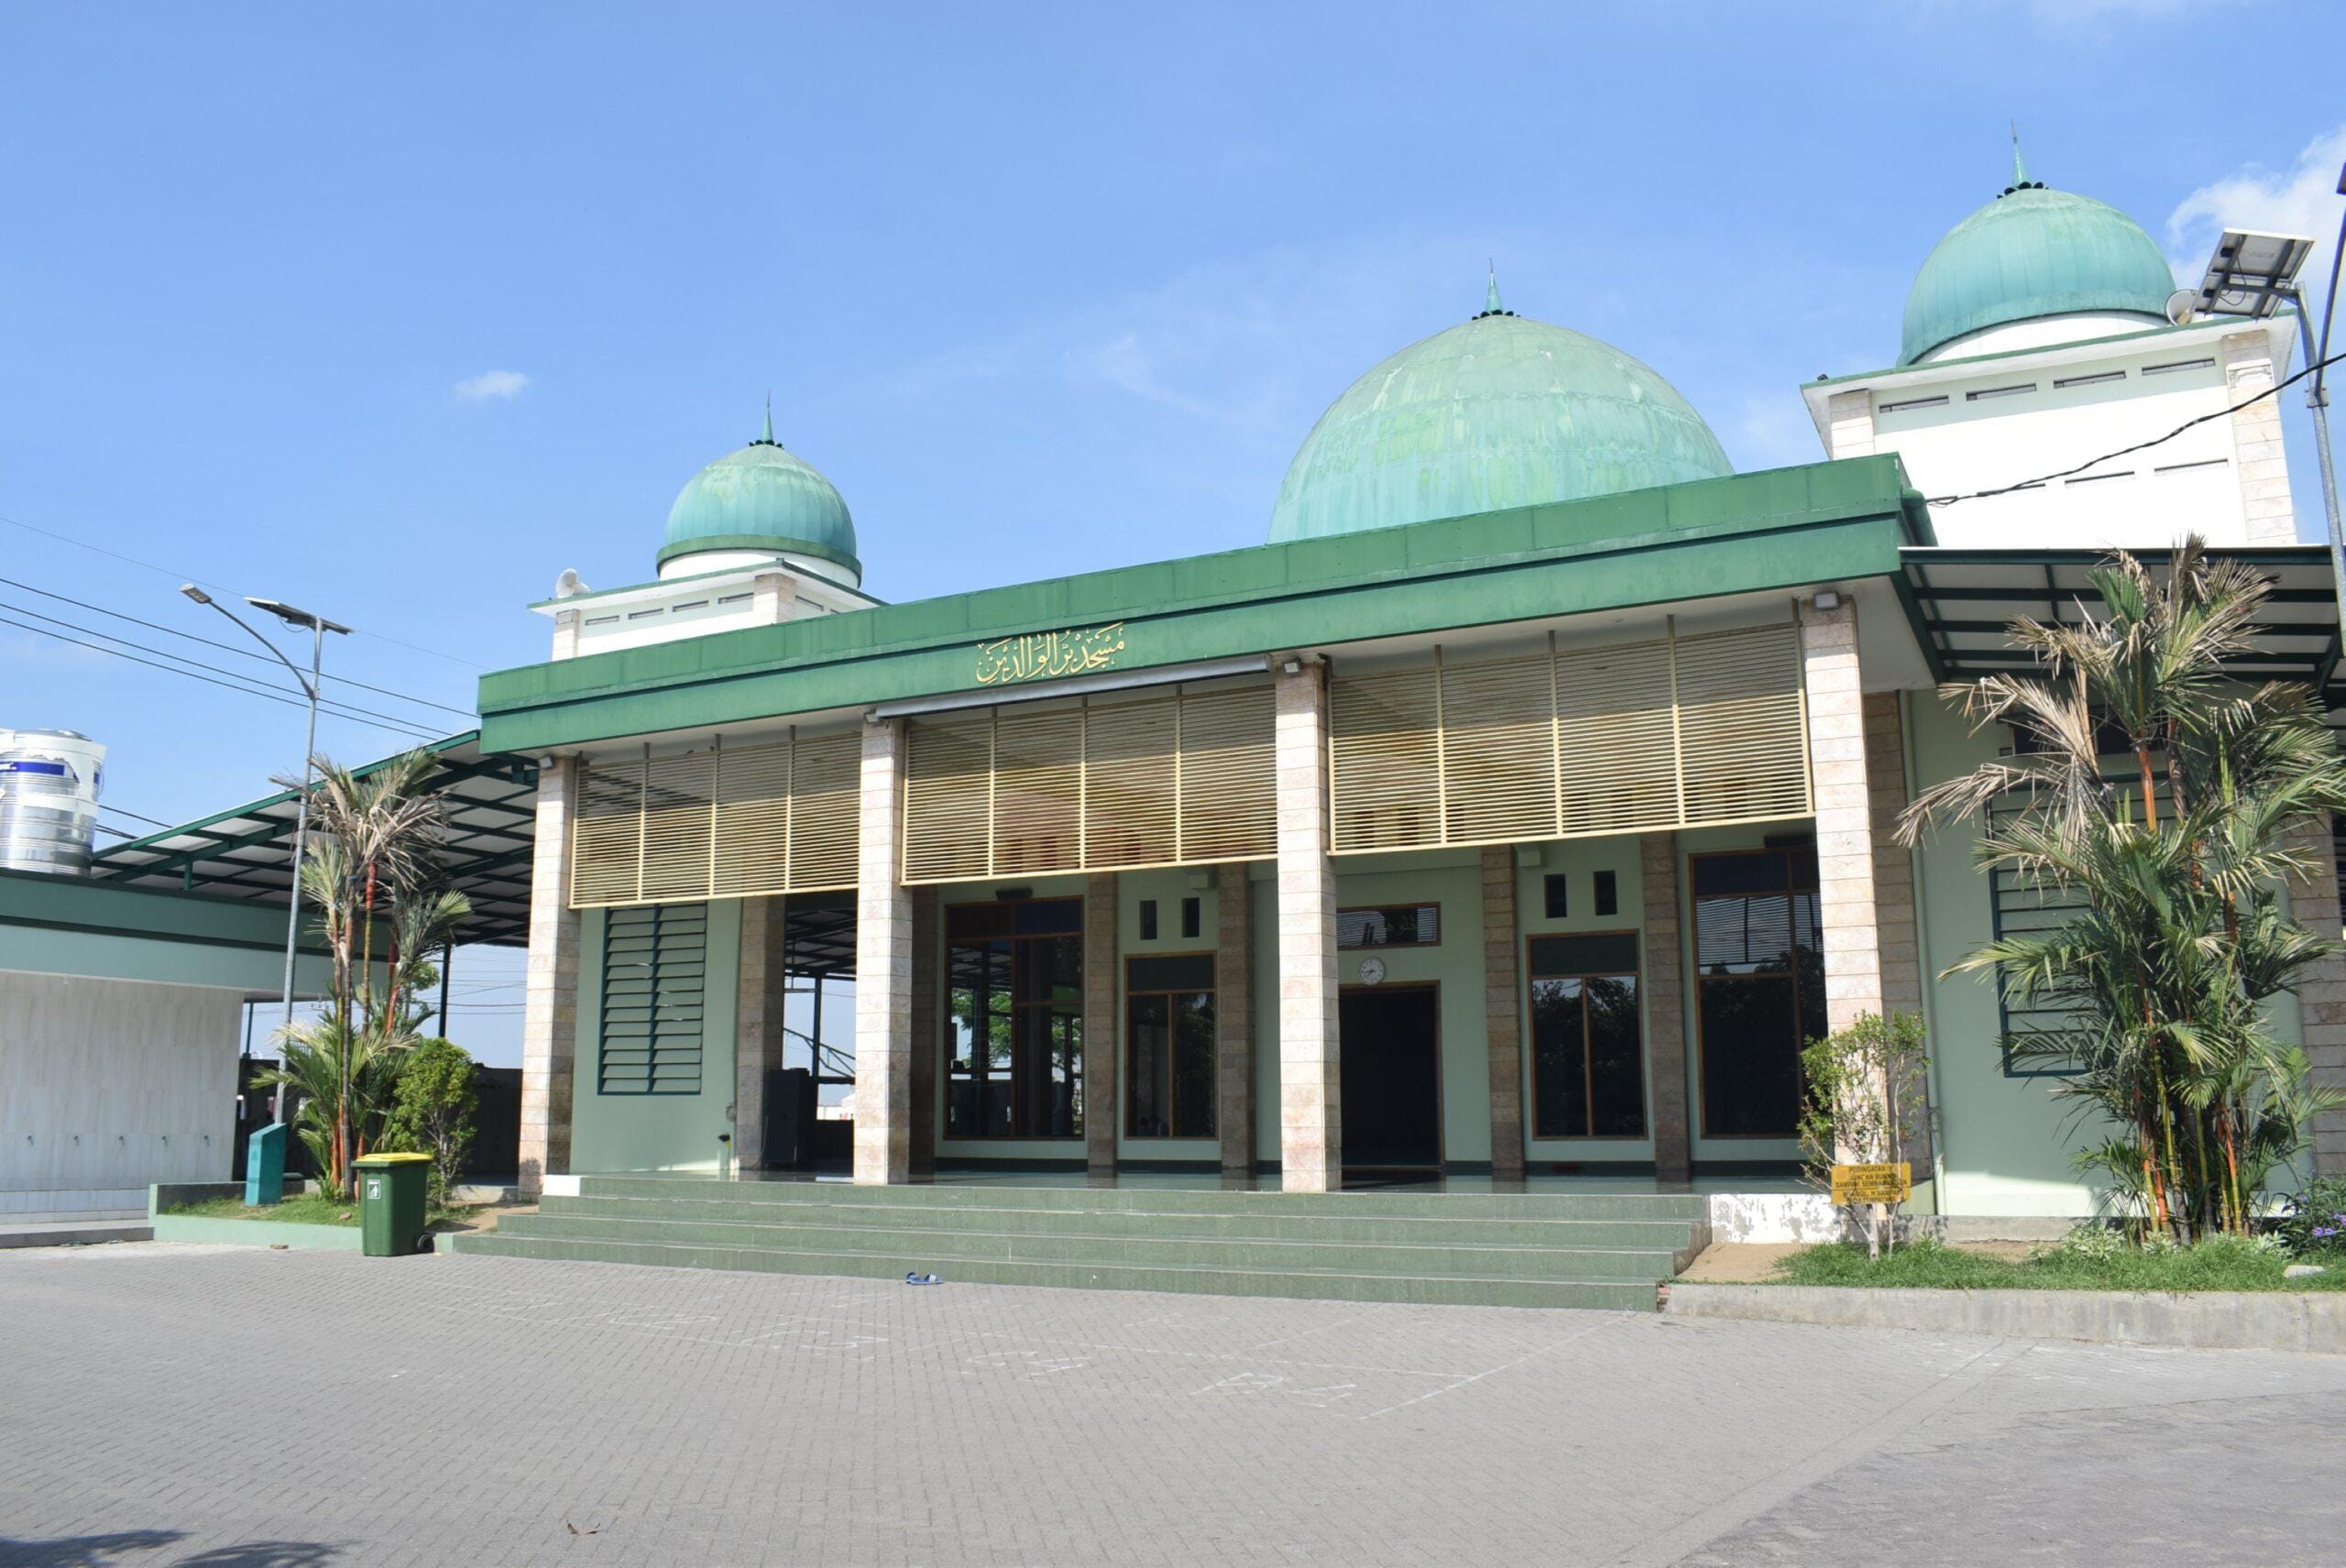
(371, 862)
(2172, 939)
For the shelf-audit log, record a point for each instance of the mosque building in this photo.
(1509, 819)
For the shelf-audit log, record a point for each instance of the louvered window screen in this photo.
(1677, 733)
(735, 822)
(655, 961)
(1151, 778)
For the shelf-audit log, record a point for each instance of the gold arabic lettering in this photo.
(1048, 655)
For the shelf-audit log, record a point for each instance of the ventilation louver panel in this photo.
(1675, 732)
(1126, 780)
(735, 822)
(655, 975)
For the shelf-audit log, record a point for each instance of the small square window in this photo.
(1149, 920)
(1609, 894)
(1558, 900)
(1190, 916)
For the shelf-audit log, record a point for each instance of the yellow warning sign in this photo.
(1872, 1183)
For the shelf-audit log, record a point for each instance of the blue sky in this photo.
(396, 315)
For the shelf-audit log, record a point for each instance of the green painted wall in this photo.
(78, 927)
(613, 1132)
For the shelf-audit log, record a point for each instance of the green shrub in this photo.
(431, 1111)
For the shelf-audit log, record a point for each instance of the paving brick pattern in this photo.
(183, 1405)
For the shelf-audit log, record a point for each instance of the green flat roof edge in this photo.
(30, 898)
(1676, 515)
(2040, 348)
(1862, 544)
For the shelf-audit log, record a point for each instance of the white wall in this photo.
(108, 1085)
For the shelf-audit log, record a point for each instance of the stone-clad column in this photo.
(1662, 989)
(1893, 896)
(1310, 1092)
(927, 1025)
(2264, 467)
(1845, 860)
(549, 995)
(2321, 996)
(883, 966)
(757, 1047)
(1100, 1034)
(1503, 1011)
(1234, 1024)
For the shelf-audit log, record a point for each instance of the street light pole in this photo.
(318, 626)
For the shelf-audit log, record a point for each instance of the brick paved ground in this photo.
(183, 1405)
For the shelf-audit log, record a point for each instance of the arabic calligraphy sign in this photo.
(1048, 655)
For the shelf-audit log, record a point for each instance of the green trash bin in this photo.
(391, 1201)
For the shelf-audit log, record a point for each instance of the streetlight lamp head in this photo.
(292, 617)
(198, 595)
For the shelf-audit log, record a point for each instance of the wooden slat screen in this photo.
(734, 822)
(1673, 732)
(1126, 779)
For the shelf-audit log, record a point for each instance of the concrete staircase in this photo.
(1599, 1249)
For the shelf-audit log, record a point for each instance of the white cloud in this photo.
(492, 386)
(2302, 199)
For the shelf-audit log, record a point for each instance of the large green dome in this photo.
(1498, 412)
(2030, 253)
(762, 498)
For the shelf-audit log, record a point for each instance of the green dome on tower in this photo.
(1498, 411)
(762, 498)
(2033, 252)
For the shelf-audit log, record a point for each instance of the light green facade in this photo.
(74, 926)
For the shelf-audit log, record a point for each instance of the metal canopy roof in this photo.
(1966, 598)
(248, 852)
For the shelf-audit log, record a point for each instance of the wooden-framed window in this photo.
(1169, 1046)
(1015, 1050)
(1588, 1071)
(1390, 925)
(1758, 985)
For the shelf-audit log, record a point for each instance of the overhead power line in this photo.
(346, 710)
(192, 577)
(2273, 390)
(270, 694)
(224, 647)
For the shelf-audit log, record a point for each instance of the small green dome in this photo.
(1498, 411)
(762, 498)
(2030, 253)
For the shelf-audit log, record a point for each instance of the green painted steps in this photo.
(1683, 1207)
(924, 1249)
(1599, 1249)
(1667, 1235)
(1618, 1296)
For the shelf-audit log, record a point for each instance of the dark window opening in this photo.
(1559, 895)
(1149, 920)
(1014, 1051)
(1191, 917)
(1760, 985)
(1395, 926)
(1169, 1046)
(1609, 894)
(1587, 1047)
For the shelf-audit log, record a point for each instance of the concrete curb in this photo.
(2307, 1322)
(257, 1232)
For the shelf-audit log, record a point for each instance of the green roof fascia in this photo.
(1780, 528)
(102, 863)
(589, 594)
(2147, 332)
(79, 904)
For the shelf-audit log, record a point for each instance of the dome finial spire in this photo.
(1491, 305)
(2020, 166)
(768, 436)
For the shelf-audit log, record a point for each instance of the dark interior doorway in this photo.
(1391, 1078)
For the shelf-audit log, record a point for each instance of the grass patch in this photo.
(309, 1208)
(2221, 1263)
